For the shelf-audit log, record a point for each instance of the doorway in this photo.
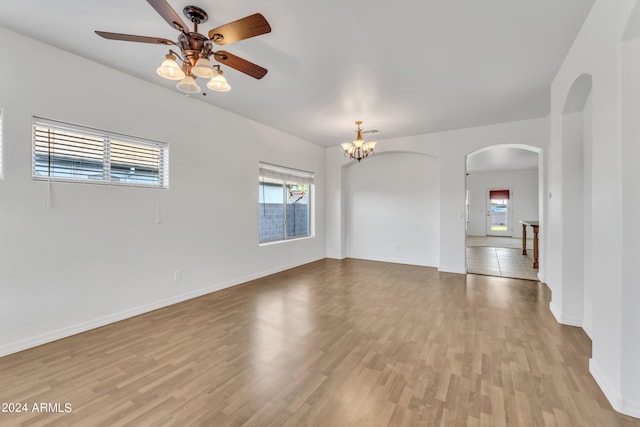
(502, 188)
(499, 213)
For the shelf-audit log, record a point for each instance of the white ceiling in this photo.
(404, 67)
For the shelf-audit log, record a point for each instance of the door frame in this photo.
(509, 231)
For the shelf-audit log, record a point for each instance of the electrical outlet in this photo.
(397, 246)
(177, 275)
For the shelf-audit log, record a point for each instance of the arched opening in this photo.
(502, 188)
(576, 206)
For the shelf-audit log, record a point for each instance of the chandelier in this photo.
(358, 149)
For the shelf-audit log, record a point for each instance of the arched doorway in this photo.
(502, 188)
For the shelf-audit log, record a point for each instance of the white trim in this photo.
(293, 239)
(563, 320)
(616, 400)
(392, 260)
(510, 225)
(447, 269)
(631, 408)
(60, 333)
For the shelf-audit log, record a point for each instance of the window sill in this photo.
(277, 242)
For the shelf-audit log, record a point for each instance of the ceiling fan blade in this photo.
(240, 64)
(132, 38)
(169, 15)
(250, 26)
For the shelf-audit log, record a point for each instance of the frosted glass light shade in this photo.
(346, 146)
(188, 85)
(371, 145)
(219, 83)
(169, 69)
(358, 143)
(203, 68)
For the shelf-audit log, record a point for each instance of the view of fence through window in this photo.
(284, 204)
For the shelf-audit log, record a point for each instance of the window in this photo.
(73, 153)
(285, 203)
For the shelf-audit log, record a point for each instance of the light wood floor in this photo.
(332, 343)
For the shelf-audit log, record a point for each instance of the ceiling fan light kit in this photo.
(203, 68)
(218, 82)
(358, 149)
(196, 49)
(169, 69)
(188, 85)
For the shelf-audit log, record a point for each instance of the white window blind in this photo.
(285, 174)
(63, 151)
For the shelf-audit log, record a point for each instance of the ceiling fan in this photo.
(196, 48)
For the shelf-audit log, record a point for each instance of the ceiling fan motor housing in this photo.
(193, 45)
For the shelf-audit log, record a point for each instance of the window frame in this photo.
(285, 176)
(106, 173)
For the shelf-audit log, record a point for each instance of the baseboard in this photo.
(616, 400)
(65, 332)
(392, 260)
(563, 320)
(450, 269)
(631, 408)
(555, 311)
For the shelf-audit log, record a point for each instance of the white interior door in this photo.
(499, 212)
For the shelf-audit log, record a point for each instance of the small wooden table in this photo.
(535, 225)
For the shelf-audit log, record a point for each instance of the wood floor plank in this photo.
(331, 343)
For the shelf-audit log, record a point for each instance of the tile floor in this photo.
(500, 256)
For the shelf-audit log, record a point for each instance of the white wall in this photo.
(571, 302)
(615, 324)
(631, 212)
(393, 209)
(98, 255)
(524, 198)
(587, 208)
(450, 148)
